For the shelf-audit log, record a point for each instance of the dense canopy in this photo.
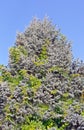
(42, 88)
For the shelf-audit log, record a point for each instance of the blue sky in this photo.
(15, 15)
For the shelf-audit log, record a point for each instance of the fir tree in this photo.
(42, 87)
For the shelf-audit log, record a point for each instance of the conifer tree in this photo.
(42, 87)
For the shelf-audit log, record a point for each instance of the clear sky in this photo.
(15, 15)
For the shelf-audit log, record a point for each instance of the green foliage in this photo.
(15, 54)
(23, 50)
(74, 75)
(38, 88)
(33, 125)
(23, 74)
(65, 95)
(43, 54)
(82, 113)
(42, 108)
(34, 82)
(62, 71)
(58, 109)
(57, 68)
(66, 103)
(48, 123)
(82, 96)
(63, 127)
(4, 74)
(41, 59)
(38, 62)
(53, 92)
